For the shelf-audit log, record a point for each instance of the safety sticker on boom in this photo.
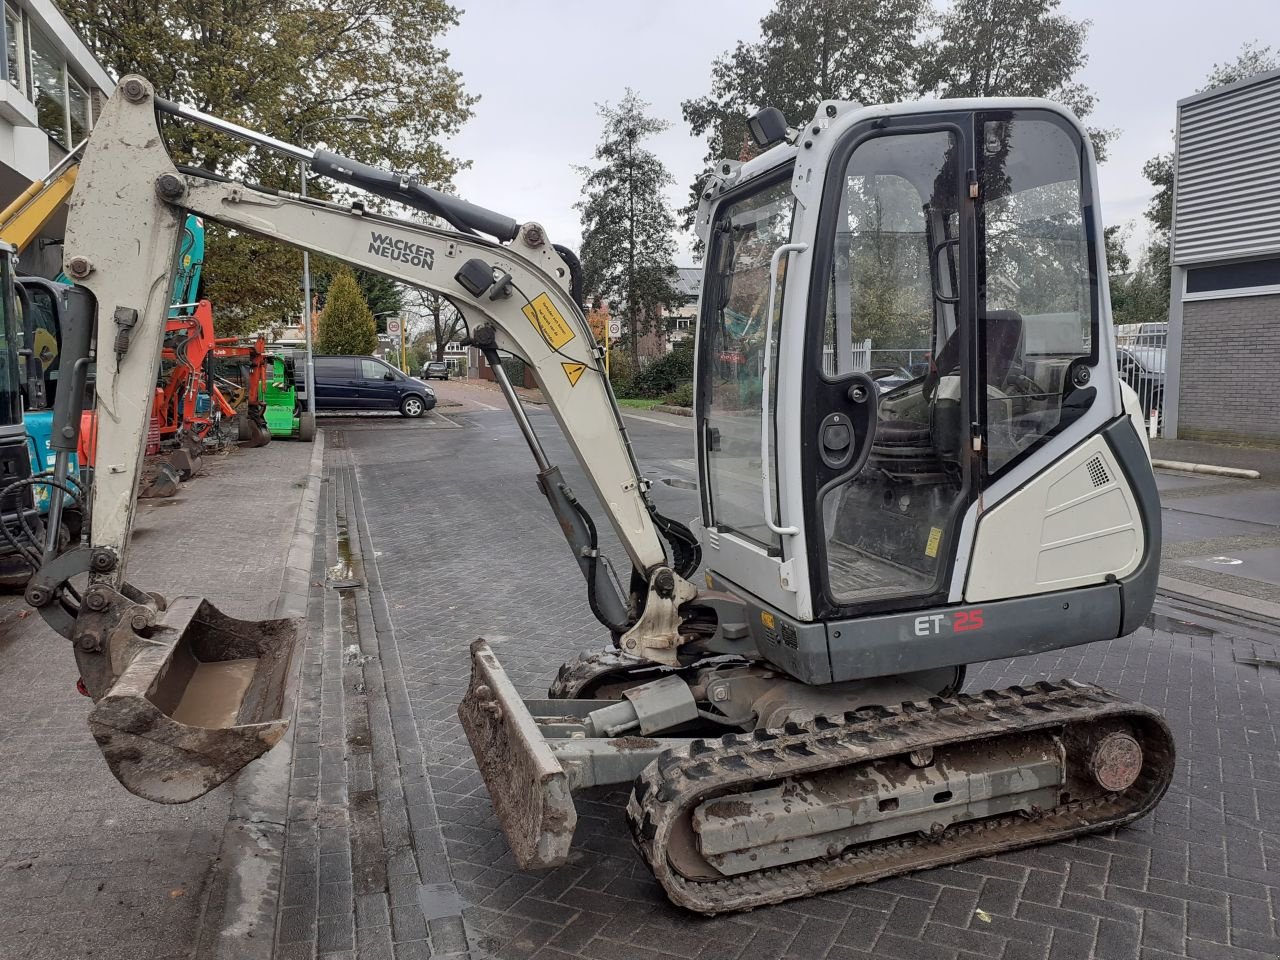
(542, 313)
(573, 371)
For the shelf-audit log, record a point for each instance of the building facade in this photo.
(1223, 376)
(54, 92)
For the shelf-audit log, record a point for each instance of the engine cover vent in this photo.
(1098, 472)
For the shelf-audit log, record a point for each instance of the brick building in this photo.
(1223, 377)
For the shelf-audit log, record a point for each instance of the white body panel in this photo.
(1075, 524)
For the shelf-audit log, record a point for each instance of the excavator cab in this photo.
(899, 348)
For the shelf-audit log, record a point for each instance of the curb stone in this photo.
(240, 917)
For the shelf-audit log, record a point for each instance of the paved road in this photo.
(464, 546)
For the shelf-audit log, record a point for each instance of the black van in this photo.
(364, 383)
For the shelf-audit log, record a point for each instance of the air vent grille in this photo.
(1098, 472)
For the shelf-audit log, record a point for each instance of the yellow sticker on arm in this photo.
(935, 538)
(542, 313)
(573, 371)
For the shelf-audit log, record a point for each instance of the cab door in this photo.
(887, 423)
(740, 332)
(375, 388)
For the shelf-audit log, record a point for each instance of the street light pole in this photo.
(309, 379)
(309, 374)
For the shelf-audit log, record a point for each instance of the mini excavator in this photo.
(914, 454)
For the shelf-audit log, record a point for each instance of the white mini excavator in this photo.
(914, 452)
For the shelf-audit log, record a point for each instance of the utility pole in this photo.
(309, 374)
(631, 249)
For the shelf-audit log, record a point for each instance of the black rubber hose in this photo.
(593, 561)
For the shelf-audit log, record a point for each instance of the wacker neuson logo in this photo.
(401, 251)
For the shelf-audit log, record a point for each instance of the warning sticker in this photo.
(935, 538)
(542, 313)
(573, 371)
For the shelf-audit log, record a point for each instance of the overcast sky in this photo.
(540, 69)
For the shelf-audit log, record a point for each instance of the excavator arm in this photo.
(124, 228)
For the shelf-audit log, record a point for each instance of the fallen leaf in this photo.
(982, 915)
(179, 892)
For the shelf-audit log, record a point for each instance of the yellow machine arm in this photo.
(32, 209)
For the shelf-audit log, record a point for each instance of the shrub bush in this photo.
(681, 396)
(666, 373)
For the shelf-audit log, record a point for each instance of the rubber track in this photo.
(673, 786)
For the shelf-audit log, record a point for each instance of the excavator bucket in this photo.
(201, 696)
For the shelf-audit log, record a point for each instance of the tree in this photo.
(443, 323)
(809, 51)
(346, 323)
(285, 67)
(1010, 48)
(628, 242)
(384, 296)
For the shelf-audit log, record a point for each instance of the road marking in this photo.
(479, 404)
(665, 423)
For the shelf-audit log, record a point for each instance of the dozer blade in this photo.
(529, 788)
(201, 696)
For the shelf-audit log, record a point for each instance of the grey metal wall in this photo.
(1222, 373)
(1226, 202)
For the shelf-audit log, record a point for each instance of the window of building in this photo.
(15, 49)
(78, 118)
(49, 86)
(1233, 280)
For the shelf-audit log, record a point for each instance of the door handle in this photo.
(766, 368)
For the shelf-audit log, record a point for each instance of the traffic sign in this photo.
(615, 329)
(393, 327)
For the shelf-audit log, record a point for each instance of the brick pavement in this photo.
(479, 555)
(86, 869)
(364, 867)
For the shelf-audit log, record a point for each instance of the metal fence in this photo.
(1141, 350)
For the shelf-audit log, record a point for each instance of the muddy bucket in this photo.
(201, 696)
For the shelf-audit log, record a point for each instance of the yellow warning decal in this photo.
(573, 371)
(935, 538)
(542, 313)
(767, 619)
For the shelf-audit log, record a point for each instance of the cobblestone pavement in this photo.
(86, 869)
(464, 546)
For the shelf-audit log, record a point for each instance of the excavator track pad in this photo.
(755, 819)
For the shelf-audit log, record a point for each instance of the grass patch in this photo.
(637, 404)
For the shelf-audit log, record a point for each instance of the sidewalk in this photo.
(86, 869)
(1221, 536)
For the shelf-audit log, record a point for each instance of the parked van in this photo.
(365, 383)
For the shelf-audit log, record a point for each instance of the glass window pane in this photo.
(10, 376)
(47, 69)
(1035, 295)
(372, 369)
(13, 39)
(747, 234)
(891, 315)
(78, 109)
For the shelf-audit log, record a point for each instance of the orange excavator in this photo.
(191, 403)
